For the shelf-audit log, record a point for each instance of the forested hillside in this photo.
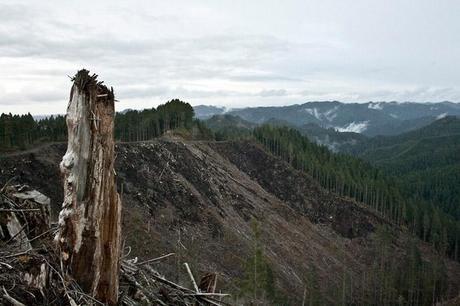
(352, 177)
(19, 132)
(328, 137)
(412, 179)
(425, 161)
(147, 124)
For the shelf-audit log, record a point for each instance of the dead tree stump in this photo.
(89, 233)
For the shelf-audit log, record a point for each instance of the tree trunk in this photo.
(90, 220)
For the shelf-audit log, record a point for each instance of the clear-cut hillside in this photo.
(197, 199)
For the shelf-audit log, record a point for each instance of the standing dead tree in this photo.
(90, 220)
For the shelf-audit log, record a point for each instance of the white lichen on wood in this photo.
(90, 219)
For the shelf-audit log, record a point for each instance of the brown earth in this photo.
(197, 199)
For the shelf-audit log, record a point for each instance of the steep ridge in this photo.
(197, 199)
(299, 190)
(426, 161)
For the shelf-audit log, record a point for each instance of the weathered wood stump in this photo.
(89, 233)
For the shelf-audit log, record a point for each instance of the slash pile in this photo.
(31, 272)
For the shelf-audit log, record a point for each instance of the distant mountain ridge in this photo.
(370, 119)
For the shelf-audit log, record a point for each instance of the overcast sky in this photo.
(232, 53)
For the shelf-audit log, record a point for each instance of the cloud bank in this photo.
(233, 53)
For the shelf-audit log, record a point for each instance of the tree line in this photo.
(147, 124)
(18, 132)
(22, 131)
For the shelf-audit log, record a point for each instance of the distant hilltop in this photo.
(370, 119)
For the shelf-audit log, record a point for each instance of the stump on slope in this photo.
(89, 233)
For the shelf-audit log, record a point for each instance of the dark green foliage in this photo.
(258, 284)
(343, 174)
(426, 162)
(22, 131)
(411, 281)
(406, 280)
(351, 177)
(150, 123)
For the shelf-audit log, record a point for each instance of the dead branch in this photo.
(17, 234)
(208, 294)
(17, 254)
(7, 184)
(6, 265)
(43, 234)
(155, 259)
(191, 277)
(18, 210)
(10, 299)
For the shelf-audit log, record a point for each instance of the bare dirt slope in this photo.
(197, 199)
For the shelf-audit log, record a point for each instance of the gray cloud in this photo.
(229, 52)
(273, 93)
(165, 92)
(39, 97)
